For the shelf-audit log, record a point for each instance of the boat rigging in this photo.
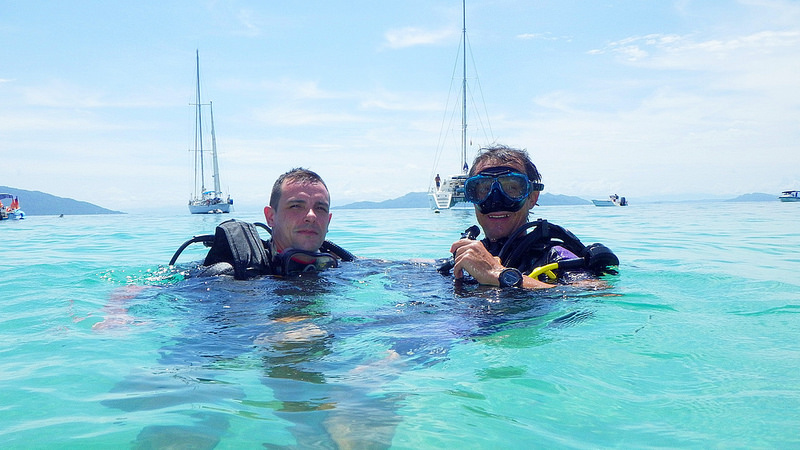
(448, 193)
(203, 200)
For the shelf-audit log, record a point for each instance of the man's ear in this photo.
(269, 214)
(533, 198)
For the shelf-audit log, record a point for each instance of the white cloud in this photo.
(286, 115)
(248, 20)
(538, 37)
(688, 53)
(411, 36)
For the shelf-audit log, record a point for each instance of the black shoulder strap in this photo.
(330, 247)
(543, 236)
(206, 239)
(238, 243)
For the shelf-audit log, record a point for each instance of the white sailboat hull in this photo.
(449, 195)
(202, 207)
(439, 201)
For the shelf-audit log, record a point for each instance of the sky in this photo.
(652, 100)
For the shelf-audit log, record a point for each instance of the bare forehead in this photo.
(304, 191)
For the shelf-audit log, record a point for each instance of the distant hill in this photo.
(420, 200)
(755, 197)
(548, 199)
(410, 200)
(36, 203)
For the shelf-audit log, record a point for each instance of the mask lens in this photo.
(514, 185)
(477, 188)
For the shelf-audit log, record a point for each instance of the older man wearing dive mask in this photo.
(504, 185)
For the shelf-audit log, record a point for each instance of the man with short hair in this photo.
(298, 215)
(298, 211)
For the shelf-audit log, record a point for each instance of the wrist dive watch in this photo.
(510, 277)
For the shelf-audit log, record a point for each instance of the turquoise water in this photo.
(694, 344)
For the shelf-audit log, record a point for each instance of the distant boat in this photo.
(11, 211)
(449, 193)
(613, 200)
(790, 196)
(203, 200)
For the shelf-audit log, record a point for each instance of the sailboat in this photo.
(448, 193)
(203, 200)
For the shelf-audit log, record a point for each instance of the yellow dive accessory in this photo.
(547, 270)
(565, 264)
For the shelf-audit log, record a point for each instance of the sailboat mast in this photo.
(217, 189)
(464, 89)
(198, 138)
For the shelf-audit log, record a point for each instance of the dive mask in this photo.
(293, 261)
(499, 189)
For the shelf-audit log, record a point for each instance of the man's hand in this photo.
(473, 258)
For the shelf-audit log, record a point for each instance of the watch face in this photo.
(510, 277)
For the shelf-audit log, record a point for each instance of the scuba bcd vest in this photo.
(546, 244)
(239, 244)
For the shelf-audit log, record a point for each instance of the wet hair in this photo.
(496, 155)
(296, 175)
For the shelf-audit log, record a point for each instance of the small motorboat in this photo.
(790, 196)
(613, 200)
(12, 211)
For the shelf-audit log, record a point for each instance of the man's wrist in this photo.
(510, 277)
